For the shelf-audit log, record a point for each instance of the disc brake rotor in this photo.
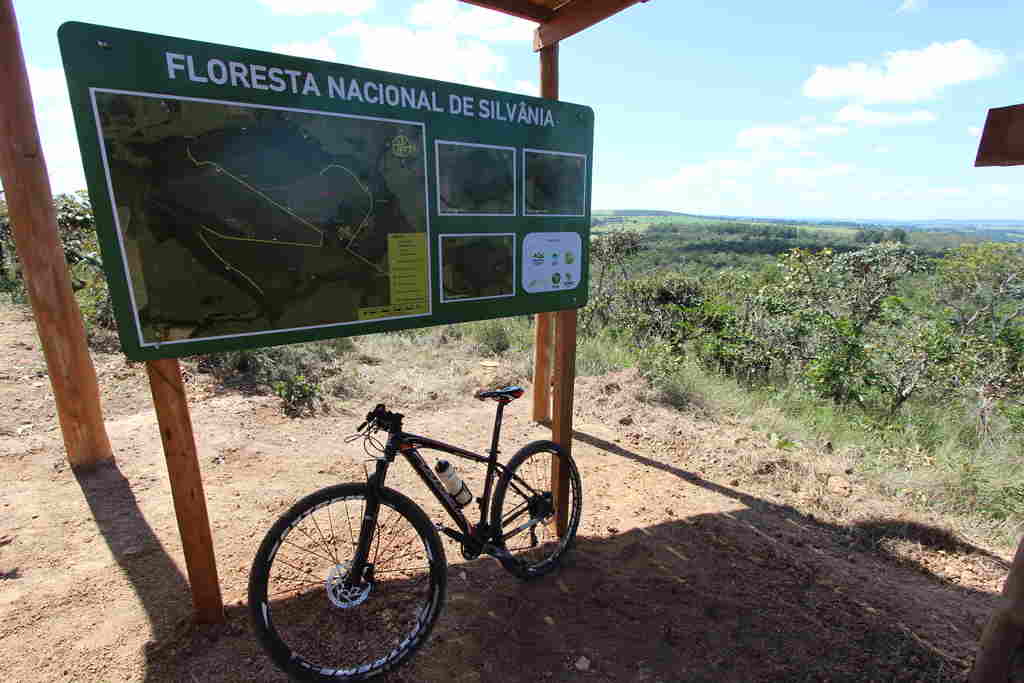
(340, 593)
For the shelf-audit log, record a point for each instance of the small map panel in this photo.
(475, 180)
(555, 183)
(237, 219)
(477, 266)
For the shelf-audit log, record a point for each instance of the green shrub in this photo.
(300, 395)
(296, 372)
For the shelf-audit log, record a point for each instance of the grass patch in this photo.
(922, 459)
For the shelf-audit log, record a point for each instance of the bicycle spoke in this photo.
(394, 522)
(331, 549)
(412, 553)
(317, 584)
(287, 542)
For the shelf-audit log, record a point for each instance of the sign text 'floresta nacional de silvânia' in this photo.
(305, 83)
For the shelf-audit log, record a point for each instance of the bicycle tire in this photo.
(526, 481)
(315, 626)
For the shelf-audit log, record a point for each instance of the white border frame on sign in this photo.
(583, 189)
(120, 237)
(437, 180)
(440, 262)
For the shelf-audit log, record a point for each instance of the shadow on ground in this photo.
(760, 594)
(161, 588)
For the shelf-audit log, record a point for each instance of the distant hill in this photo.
(639, 212)
(1012, 230)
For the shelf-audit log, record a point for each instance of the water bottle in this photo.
(453, 483)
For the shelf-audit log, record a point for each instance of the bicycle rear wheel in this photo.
(320, 623)
(523, 509)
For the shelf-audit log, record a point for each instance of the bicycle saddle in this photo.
(505, 394)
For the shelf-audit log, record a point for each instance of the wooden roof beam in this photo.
(524, 9)
(1002, 140)
(574, 17)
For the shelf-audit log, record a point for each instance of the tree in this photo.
(610, 256)
(839, 299)
(982, 285)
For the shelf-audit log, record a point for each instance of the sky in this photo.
(799, 108)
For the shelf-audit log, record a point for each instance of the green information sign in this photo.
(246, 199)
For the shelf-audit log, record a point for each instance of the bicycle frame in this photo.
(475, 539)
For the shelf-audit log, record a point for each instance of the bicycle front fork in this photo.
(368, 526)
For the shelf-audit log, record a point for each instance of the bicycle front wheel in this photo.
(524, 509)
(316, 619)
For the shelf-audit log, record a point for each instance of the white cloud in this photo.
(909, 194)
(974, 131)
(527, 88)
(301, 8)
(764, 138)
(715, 186)
(437, 54)
(999, 190)
(56, 128)
(476, 22)
(907, 75)
(318, 49)
(912, 6)
(809, 177)
(856, 113)
(880, 149)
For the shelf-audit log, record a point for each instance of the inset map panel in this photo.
(238, 219)
(555, 183)
(475, 180)
(477, 266)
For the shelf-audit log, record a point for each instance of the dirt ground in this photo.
(703, 554)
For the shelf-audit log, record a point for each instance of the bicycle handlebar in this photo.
(382, 418)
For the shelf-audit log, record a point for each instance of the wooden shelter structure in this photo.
(62, 333)
(1002, 144)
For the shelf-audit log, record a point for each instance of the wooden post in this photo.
(562, 399)
(544, 321)
(34, 224)
(1004, 632)
(565, 343)
(542, 367)
(186, 488)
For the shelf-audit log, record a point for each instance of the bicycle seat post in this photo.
(495, 435)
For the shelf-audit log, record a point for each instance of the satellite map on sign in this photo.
(555, 183)
(477, 266)
(475, 179)
(238, 219)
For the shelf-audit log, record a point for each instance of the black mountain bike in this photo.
(348, 583)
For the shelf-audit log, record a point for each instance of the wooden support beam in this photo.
(1002, 139)
(565, 344)
(562, 402)
(524, 9)
(544, 322)
(186, 488)
(542, 367)
(574, 17)
(1004, 633)
(34, 225)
